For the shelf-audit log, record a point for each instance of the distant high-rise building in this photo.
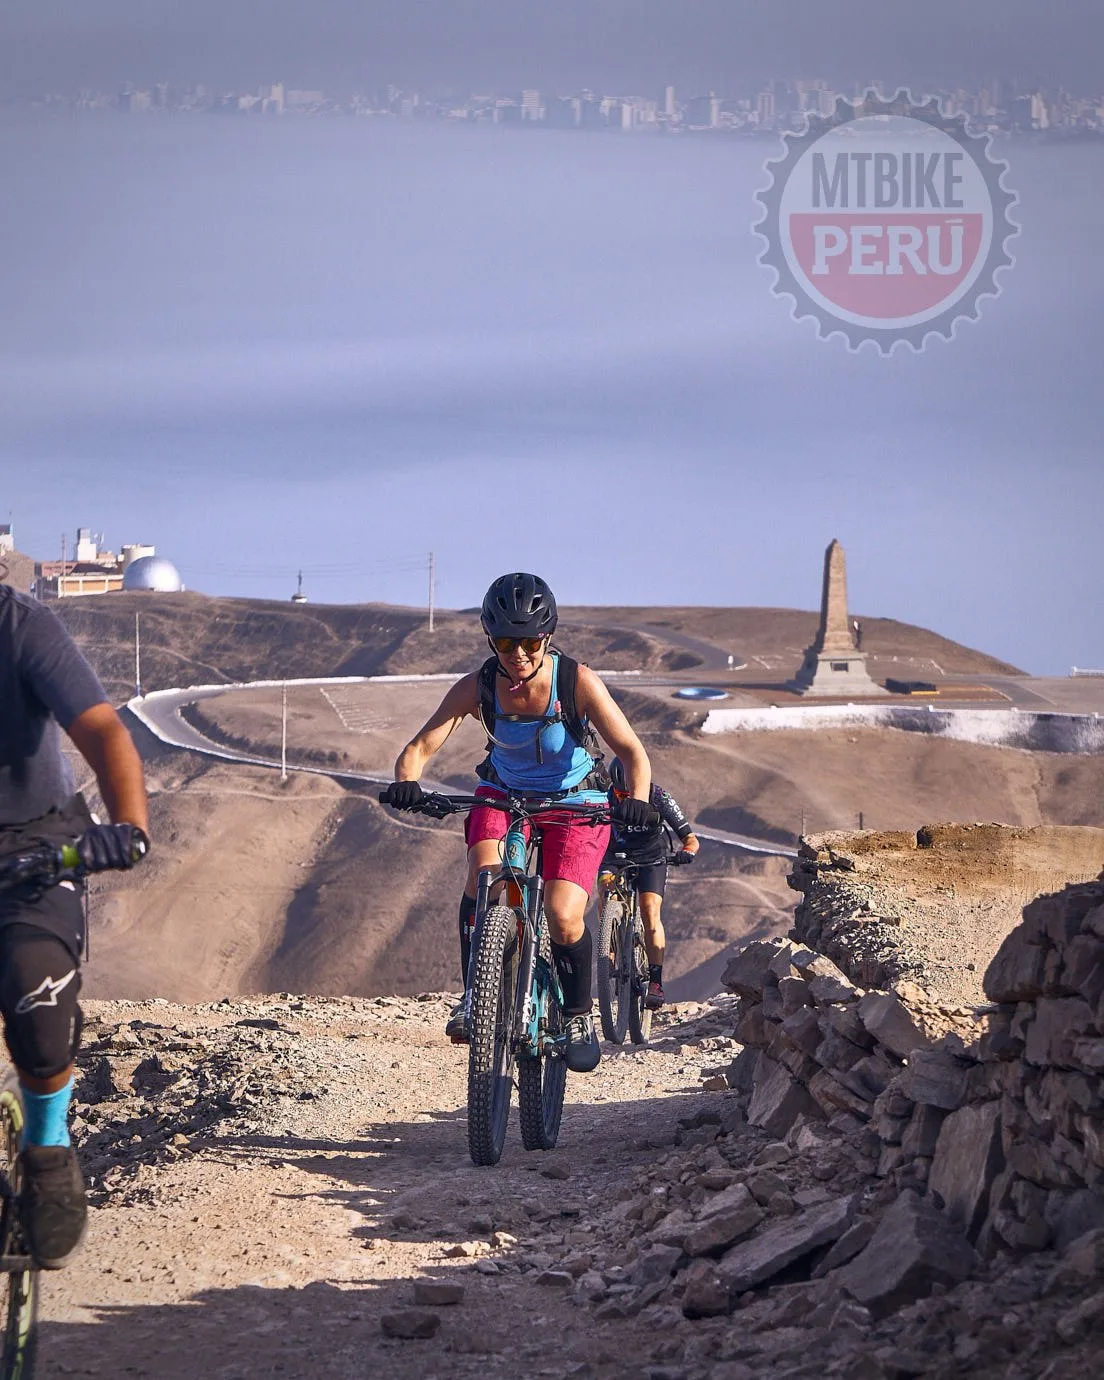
(670, 105)
(562, 112)
(531, 107)
(765, 110)
(703, 112)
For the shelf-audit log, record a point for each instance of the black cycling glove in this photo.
(632, 813)
(403, 795)
(106, 846)
(683, 857)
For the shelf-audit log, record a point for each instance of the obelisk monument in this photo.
(833, 665)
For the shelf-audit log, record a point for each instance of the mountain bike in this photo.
(38, 867)
(516, 1017)
(622, 955)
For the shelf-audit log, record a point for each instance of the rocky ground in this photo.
(282, 1188)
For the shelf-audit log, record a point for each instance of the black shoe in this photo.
(456, 1028)
(583, 1050)
(52, 1206)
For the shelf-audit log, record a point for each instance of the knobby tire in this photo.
(490, 1051)
(613, 972)
(19, 1289)
(640, 1017)
(542, 1081)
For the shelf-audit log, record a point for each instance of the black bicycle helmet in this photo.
(519, 605)
(617, 774)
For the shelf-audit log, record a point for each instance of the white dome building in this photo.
(154, 573)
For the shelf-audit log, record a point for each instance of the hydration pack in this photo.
(564, 711)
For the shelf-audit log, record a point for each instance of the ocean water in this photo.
(337, 345)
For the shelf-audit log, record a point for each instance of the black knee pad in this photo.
(39, 983)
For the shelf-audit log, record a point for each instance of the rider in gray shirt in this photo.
(45, 683)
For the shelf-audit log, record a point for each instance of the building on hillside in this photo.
(92, 569)
(16, 569)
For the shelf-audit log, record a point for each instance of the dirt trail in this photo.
(266, 1191)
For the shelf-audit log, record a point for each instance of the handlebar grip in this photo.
(69, 857)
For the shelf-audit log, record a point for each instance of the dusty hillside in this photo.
(775, 635)
(254, 886)
(824, 780)
(190, 639)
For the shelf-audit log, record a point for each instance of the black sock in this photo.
(467, 921)
(655, 973)
(573, 962)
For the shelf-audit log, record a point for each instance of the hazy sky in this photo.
(339, 344)
(632, 44)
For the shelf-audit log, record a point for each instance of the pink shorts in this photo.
(572, 848)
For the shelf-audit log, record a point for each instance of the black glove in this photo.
(105, 846)
(682, 858)
(402, 795)
(633, 814)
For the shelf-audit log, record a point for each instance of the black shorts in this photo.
(647, 874)
(57, 910)
(651, 877)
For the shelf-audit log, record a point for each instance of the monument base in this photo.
(840, 676)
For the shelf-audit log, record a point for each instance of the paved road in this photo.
(160, 713)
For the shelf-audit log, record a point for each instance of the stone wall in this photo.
(994, 1111)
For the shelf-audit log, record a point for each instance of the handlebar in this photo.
(676, 859)
(47, 865)
(437, 805)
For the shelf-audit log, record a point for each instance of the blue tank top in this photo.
(564, 763)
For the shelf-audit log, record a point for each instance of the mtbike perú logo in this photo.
(886, 221)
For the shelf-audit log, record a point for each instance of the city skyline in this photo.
(770, 106)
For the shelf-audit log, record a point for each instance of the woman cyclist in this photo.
(542, 744)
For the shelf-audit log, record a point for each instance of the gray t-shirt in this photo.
(44, 682)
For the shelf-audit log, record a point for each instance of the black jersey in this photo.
(650, 843)
(44, 681)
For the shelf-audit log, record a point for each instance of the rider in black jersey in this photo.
(647, 846)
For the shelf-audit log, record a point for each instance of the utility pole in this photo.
(432, 587)
(137, 657)
(283, 732)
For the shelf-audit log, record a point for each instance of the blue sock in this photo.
(47, 1116)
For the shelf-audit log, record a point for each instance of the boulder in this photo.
(935, 1079)
(732, 1196)
(914, 1248)
(754, 1262)
(967, 1160)
(1017, 969)
(746, 972)
(1059, 1024)
(890, 1022)
(833, 1097)
(778, 1100)
(719, 1230)
(922, 1133)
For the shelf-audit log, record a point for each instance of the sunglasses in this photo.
(530, 645)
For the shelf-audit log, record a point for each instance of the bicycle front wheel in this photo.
(490, 1042)
(613, 971)
(640, 1016)
(19, 1294)
(541, 1085)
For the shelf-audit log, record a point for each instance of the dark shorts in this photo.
(646, 875)
(59, 910)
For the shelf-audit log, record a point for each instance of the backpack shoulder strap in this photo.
(573, 721)
(488, 713)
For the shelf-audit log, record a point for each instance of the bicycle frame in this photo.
(537, 979)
